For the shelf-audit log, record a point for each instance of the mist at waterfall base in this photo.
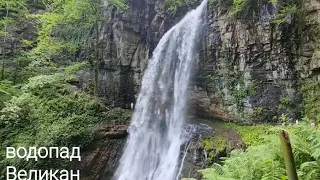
(157, 133)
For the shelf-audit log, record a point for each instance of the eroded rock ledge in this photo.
(113, 131)
(100, 160)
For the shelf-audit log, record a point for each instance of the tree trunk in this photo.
(288, 156)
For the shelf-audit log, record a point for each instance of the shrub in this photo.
(51, 113)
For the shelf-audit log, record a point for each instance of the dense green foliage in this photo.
(264, 158)
(68, 25)
(63, 29)
(40, 101)
(251, 135)
(252, 9)
(48, 112)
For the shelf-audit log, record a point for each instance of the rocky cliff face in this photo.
(128, 40)
(249, 68)
(253, 67)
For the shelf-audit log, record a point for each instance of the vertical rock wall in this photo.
(249, 69)
(127, 40)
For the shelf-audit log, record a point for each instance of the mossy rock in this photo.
(222, 141)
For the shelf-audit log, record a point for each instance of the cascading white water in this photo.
(153, 149)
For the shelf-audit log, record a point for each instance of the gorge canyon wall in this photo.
(250, 68)
(255, 66)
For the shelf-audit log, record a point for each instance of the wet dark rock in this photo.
(100, 159)
(198, 156)
(114, 131)
(195, 157)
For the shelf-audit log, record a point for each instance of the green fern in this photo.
(265, 160)
(310, 170)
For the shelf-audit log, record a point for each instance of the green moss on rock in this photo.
(215, 146)
(172, 6)
(251, 135)
(311, 95)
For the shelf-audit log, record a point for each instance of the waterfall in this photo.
(153, 148)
